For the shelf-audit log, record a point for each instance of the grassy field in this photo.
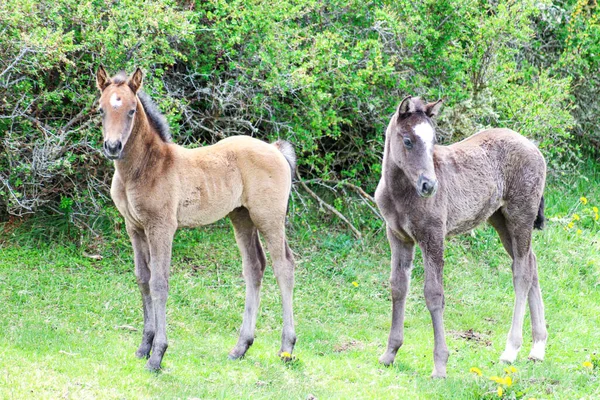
(70, 324)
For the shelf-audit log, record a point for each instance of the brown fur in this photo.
(495, 175)
(159, 186)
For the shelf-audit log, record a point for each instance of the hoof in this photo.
(152, 366)
(285, 356)
(509, 356)
(237, 353)
(538, 351)
(142, 353)
(387, 359)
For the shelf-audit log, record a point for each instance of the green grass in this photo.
(66, 319)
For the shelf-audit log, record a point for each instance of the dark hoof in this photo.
(142, 353)
(387, 359)
(236, 354)
(153, 366)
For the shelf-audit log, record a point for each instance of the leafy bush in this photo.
(325, 75)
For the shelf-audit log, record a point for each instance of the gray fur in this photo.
(496, 175)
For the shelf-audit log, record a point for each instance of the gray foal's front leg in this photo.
(142, 274)
(433, 262)
(402, 258)
(160, 241)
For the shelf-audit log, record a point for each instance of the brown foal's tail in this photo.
(540, 219)
(287, 149)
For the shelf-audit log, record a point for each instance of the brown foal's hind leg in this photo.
(433, 262)
(160, 242)
(402, 258)
(253, 264)
(272, 228)
(142, 274)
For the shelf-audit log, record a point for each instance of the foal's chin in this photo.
(114, 157)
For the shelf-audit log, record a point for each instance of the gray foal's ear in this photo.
(102, 79)
(135, 82)
(407, 106)
(432, 109)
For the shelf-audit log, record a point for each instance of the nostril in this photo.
(119, 146)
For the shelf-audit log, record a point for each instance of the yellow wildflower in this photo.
(595, 209)
(510, 370)
(500, 391)
(285, 354)
(583, 200)
(476, 371)
(588, 364)
(508, 381)
(497, 379)
(576, 217)
(596, 217)
(579, 231)
(355, 284)
(570, 225)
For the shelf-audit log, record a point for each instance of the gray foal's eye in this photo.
(408, 143)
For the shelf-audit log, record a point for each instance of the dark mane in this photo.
(156, 119)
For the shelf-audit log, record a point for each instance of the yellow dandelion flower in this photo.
(579, 231)
(512, 369)
(508, 381)
(583, 200)
(497, 379)
(596, 217)
(508, 371)
(355, 284)
(576, 217)
(285, 354)
(500, 391)
(476, 371)
(571, 225)
(588, 364)
(595, 209)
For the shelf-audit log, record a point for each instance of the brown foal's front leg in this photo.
(433, 263)
(142, 273)
(160, 241)
(402, 258)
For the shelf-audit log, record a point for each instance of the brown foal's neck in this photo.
(142, 142)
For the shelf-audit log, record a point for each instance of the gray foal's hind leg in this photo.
(538, 321)
(142, 274)
(522, 281)
(401, 266)
(253, 264)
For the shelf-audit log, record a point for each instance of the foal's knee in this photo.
(434, 297)
(159, 287)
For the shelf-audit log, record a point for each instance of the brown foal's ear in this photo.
(102, 79)
(135, 82)
(432, 109)
(407, 106)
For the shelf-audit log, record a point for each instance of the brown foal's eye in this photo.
(100, 111)
(131, 112)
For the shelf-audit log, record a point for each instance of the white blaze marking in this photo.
(425, 132)
(115, 101)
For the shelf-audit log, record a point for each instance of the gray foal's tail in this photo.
(287, 149)
(540, 219)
